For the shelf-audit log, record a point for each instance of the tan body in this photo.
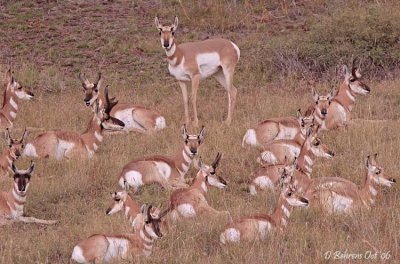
(191, 201)
(59, 144)
(12, 92)
(168, 172)
(12, 202)
(135, 117)
(290, 128)
(194, 61)
(111, 248)
(259, 226)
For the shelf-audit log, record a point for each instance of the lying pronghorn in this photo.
(339, 195)
(280, 151)
(12, 202)
(169, 172)
(278, 128)
(135, 117)
(108, 248)
(191, 201)
(338, 114)
(193, 61)
(59, 144)
(12, 153)
(258, 226)
(122, 201)
(12, 92)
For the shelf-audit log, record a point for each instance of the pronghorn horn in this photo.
(8, 137)
(354, 67)
(85, 82)
(14, 168)
(110, 103)
(216, 161)
(149, 217)
(24, 135)
(98, 78)
(202, 133)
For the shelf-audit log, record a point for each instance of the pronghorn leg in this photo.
(185, 100)
(27, 219)
(195, 87)
(225, 78)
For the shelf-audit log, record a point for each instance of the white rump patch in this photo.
(133, 178)
(208, 63)
(268, 157)
(160, 123)
(117, 248)
(30, 151)
(231, 235)
(186, 210)
(250, 138)
(164, 169)
(236, 49)
(77, 255)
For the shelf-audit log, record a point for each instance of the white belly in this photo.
(186, 210)
(63, 148)
(339, 203)
(133, 178)
(117, 248)
(209, 63)
(263, 228)
(127, 117)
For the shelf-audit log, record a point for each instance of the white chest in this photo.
(179, 71)
(117, 248)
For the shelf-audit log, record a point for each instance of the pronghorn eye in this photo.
(289, 194)
(96, 90)
(352, 80)
(173, 33)
(160, 33)
(186, 141)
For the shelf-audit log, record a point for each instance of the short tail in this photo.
(250, 138)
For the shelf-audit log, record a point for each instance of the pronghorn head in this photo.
(290, 193)
(103, 114)
(376, 172)
(16, 87)
(287, 171)
(209, 173)
(354, 79)
(321, 103)
(193, 141)
(91, 90)
(152, 224)
(22, 178)
(16, 146)
(305, 121)
(166, 33)
(313, 143)
(118, 200)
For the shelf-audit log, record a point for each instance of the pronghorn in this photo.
(339, 195)
(169, 172)
(193, 61)
(278, 128)
(320, 109)
(121, 201)
(191, 201)
(12, 153)
(59, 144)
(12, 202)
(278, 151)
(338, 114)
(12, 92)
(109, 248)
(135, 117)
(258, 226)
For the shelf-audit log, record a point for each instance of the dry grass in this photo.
(77, 192)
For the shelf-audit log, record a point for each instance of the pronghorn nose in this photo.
(194, 151)
(392, 180)
(331, 153)
(166, 44)
(108, 211)
(367, 88)
(324, 111)
(304, 200)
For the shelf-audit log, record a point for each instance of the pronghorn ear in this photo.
(368, 163)
(299, 114)
(314, 94)
(30, 170)
(202, 134)
(149, 217)
(143, 208)
(84, 81)
(126, 186)
(175, 24)
(98, 81)
(157, 23)
(9, 77)
(184, 132)
(375, 156)
(14, 168)
(8, 137)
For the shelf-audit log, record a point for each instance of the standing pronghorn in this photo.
(12, 202)
(12, 92)
(191, 201)
(338, 113)
(135, 117)
(109, 248)
(267, 176)
(278, 128)
(258, 226)
(169, 172)
(62, 144)
(280, 151)
(12, 153)
(339, 195)
(193, 61)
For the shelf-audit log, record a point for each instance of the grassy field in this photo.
(48, 43)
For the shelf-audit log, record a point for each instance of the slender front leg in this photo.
(27, 219)
(195, 86)
(185, 100)
(232, 91)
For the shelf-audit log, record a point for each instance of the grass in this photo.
(77, 192)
